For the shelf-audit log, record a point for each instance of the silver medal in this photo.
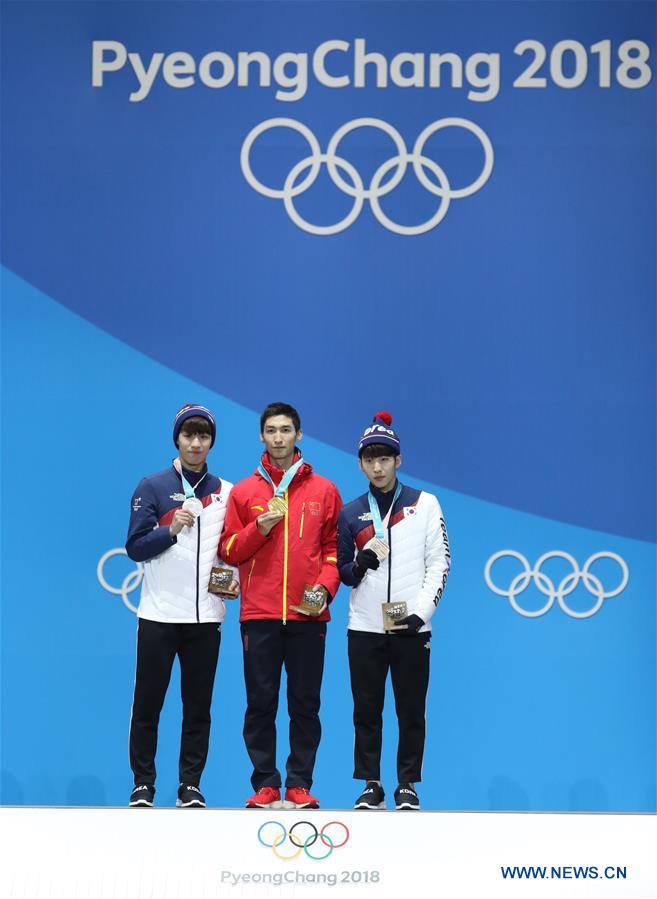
(379, 546)
(193, 505)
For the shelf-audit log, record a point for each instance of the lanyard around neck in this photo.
(379, 525)
(286, 480)
(187, 487)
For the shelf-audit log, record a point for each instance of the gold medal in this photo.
(277, 504)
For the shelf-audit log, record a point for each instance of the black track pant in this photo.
(197, 647)
(267, 646)
(370, 657)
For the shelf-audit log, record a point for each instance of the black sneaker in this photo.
(143, 794)
(190, 796)
(406, 798)
(372, 796)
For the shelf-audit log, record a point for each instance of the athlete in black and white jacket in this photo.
(392, 548)
(176, 519)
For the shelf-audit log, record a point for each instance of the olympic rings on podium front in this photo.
(301, 842)
(323, 836)
(312, 839)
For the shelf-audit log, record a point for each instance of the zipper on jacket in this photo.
(248, 580)
(198, 557)
(285, 544)
(303, 512)
(389, 560)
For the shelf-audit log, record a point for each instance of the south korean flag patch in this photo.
(409, 511)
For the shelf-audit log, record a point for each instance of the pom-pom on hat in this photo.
(189, 410)
(380, 432)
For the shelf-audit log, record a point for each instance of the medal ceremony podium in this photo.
(107, 853)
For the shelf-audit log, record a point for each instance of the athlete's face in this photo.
(279, 437)
(381, 471)
(193, 449)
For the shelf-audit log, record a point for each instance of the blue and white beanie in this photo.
(380, 432)
(189, 410)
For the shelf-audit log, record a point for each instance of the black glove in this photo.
(414, 623)
(366, 558)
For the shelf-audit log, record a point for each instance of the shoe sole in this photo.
(140, 802)
(299, 805)
(407, 807)
(275, 805)
(193, 804)
(367, 805)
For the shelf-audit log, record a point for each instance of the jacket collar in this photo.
(276, 473)
(192, 476)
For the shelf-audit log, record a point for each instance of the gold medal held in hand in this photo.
(277, 504)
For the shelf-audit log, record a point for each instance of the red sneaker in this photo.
(299, 797)
(266, 797)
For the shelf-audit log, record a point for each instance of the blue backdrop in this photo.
(158, 250)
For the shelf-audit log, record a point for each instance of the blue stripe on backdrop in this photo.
(550, 713)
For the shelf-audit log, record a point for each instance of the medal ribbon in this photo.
(379, 525)
(187, 487)
(286, 480)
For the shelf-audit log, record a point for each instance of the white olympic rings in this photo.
(376, 189)
(130, 582)
(566, 586)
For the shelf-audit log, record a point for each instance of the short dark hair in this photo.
(376, 450)
(195, 425)
(280, 409)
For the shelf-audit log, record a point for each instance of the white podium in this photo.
(120, 853)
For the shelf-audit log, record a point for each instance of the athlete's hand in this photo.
(232, 590)
(181, 519)
(267, 521)
(412, 622)
(366, 558)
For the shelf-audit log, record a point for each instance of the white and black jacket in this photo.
(416, 568)
(177, 569)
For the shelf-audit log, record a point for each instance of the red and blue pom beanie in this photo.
(380, 432)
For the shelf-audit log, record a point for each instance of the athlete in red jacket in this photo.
(280, 551)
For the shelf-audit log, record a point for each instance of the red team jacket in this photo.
(301, 549)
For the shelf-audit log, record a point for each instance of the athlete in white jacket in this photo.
(394, 552)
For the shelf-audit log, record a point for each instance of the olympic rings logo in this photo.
(353, 184)
(565, 587)
(130, 582)
(302, 840)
